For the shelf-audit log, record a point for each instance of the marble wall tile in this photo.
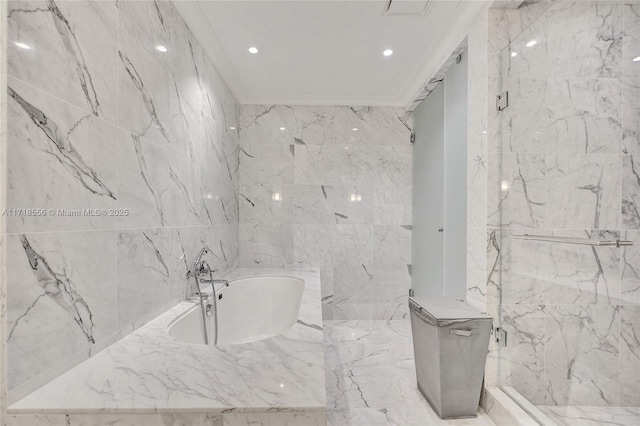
(477, 264)
(153, 266)
(374, 126)
(214, 203)
(582, 392)
(354, 244)
(379, 165)
(585, 40)
(582, 343)
(264, 164)
(333, 204)
(316, 165)
(477, 181)
(353, 290)
(267, 203)
(631, 40)
(144, 84)
(507, 24)
(391, 286)
(630, 216)
(493, 249)
(61, 158)
(517, 197)
(629, 345)
(313, 244)
(156, 186)
(61, 298)
(629, 393)
(523, 269)
(629, 270)
(265, 245)
(352, 260)
(392, 205)
(579, 275)
(524, 356)
(314, 125)
(72, 54)
(313, 247)
(274, 124)
(585, 116)
(192, 104)
(110, 7)
(527, 53)
(494, 117)
(392, 245)
(585, 191)
(629, 356)
(631, 115)
(147, 22)
(524, 122)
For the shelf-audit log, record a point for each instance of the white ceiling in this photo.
(328, 52)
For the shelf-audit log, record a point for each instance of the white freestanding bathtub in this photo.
(249, 309)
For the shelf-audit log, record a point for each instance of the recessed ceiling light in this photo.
(283, 128)
(22, 45)
(532, 43)
(253, 50)
(232, 128)
(636, 59)
(388, 52)
(161, 48)
(355, 129)
(514, 54)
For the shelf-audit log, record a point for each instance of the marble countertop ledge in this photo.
(149, 372)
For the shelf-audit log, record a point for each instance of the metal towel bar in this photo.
(570, 240)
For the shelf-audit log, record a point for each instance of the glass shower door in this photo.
(565, 166)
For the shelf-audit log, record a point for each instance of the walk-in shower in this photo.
(562, 167)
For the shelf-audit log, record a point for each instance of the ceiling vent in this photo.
(406, 7)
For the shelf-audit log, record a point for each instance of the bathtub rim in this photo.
(219, 288)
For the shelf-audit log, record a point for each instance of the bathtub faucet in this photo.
(202, 273)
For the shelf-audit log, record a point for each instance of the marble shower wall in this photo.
(563, 161)
(316, 192)
(100, 119)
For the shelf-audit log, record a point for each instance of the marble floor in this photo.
(370, 376)
(593, 416)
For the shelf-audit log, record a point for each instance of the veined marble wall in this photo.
(563, 161)
(100, 119)
(316, 192)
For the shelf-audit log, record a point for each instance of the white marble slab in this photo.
(149, 372)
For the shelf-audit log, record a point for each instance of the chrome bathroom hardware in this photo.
(199, 272)
(198, 291)
(502, 101)
(501, 336)
(571, 240)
